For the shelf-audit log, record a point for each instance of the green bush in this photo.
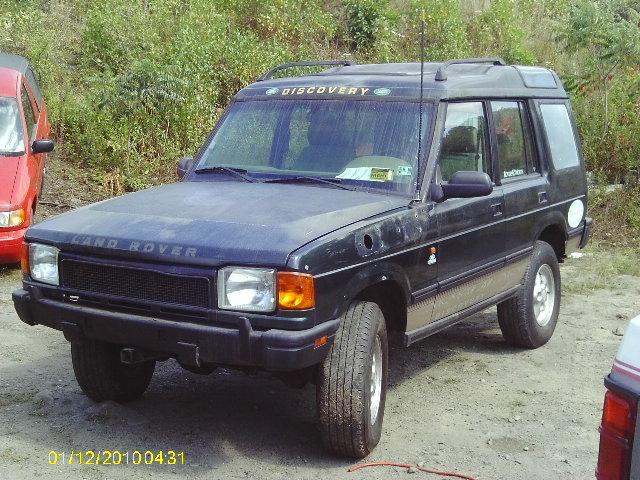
(446, 34)
(367, 24)
(498, 32)
(132, 86)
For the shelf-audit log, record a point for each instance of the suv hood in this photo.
(222, 222)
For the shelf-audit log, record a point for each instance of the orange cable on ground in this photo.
(408, 465)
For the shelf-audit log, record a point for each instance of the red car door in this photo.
(36, 130)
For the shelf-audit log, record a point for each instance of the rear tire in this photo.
(352, 383)
(529, 319)
(102, 376)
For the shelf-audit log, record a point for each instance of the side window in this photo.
(560, 136)
(463, 143)
(29, 115)
(512, 154)
(35, 87)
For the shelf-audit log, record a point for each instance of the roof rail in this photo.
(311, 63)
(441, 74)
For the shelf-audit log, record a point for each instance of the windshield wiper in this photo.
(238, 172)
(334, 182)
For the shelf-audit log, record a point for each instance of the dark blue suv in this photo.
(326, 215)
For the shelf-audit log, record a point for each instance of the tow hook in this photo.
(131, 356)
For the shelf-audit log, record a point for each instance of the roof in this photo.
(403, 80)
(14, 62)
(8, 82)
(22, 66)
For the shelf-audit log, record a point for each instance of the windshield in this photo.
(370, 144)
(11, 136)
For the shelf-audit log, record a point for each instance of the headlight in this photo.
(11, 219)
(249, 289)
(43, 263)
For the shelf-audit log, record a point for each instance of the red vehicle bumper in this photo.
(11, 245)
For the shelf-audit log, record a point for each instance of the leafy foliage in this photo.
(133, 85)
(605, 36)
(368, 24)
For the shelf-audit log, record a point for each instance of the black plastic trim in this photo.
(586, 232)
(311, 63)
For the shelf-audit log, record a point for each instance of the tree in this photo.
(607, 32)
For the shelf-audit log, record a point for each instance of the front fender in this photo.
(343, 287)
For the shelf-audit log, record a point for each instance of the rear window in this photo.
(562, 141)
(11, 134)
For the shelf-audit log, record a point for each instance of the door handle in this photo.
(542, 197)
(496, 208)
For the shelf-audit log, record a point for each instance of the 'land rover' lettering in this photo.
(135, 246)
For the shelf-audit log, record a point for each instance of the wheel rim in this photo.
(544, 295)
(376, 382)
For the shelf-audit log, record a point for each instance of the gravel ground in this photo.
(460, 401)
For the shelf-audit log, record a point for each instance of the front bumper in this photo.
(11, 245)
(191, 344)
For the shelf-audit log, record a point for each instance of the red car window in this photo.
(29, 114)
(11, 138)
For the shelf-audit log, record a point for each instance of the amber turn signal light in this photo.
(296, 291)
(320, 342)
(24, 259)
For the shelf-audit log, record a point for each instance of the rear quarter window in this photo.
(560, 135)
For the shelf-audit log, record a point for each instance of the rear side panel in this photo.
(566, 192)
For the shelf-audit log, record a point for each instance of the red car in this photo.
(619, 455)
(24, 143)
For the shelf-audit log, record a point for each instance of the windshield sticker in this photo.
(361, 91)
(382, 174)
(367, 174)
(272, 91)
(404, 171)
(381, 92)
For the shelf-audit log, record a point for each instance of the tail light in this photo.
(616, 437)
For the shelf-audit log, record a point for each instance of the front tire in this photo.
(102, 376)
(529, 319)
(352, 383)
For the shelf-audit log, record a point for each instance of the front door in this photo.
(471, 231)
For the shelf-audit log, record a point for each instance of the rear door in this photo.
(526, 186)
(470, 230)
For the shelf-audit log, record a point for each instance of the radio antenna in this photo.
(421, 95)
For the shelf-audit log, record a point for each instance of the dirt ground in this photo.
(459, 401)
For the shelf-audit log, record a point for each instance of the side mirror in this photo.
(464, 184)
(184, 165)
(42, 146)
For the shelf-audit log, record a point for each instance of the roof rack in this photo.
(311, 63)
(441, 74)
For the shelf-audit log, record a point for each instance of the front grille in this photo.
(135, 284)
